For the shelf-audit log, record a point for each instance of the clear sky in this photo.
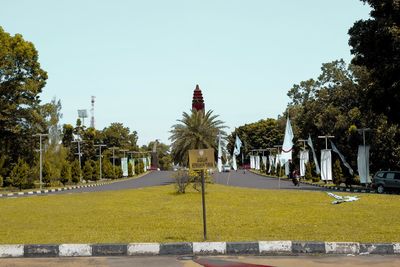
(143, 59)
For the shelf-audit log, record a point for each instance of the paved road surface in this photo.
(156, 178)
(279, 261)
(249, 179)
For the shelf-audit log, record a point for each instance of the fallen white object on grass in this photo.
(341, 199)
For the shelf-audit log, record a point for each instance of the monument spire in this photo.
(198, 101)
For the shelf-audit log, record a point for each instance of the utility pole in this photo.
(113, 151)
(304, 143)
(326, 137)
(41, 157)
(100, 146)
(79, 141)
(363, 130)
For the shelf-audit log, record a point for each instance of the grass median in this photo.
(157, 214)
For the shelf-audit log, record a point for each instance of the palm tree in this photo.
(195, 131)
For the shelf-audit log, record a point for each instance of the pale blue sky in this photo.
(143, 59)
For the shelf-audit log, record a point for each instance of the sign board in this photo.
(200, 159)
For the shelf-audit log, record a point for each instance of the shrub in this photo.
(308, 174)
(96, 170)
(76, 172)
(337, 173)
(65, 173)
(1, 181)
(47, 173)
(139, 167)
(87, 171)
(20, 175)
(130, 173)
(182, 180)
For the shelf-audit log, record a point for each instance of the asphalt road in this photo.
(232, 178)
(218, 261)
(251, 180)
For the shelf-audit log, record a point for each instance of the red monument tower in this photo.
(197, 102)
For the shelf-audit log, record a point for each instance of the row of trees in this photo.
(22, 115)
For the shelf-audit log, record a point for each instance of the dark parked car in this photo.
(386, 180)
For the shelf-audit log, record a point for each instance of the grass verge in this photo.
(157, 214)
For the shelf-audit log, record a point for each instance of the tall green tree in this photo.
(21, 82)
(375, 45)
(196, 130)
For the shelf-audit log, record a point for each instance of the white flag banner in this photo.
(252, 162)
(287, 169)
(264, 161)
(363, 164)
(149, 162)
(238, 144)
(304, 158)
(132, 162)
(234, 165)
(277, 161)
(124, 167)
(219, 162)
(257, 158)
(287, 142)
(144, 164)
(271, 163)
(326, 165)
(334, 149)
(309, 142)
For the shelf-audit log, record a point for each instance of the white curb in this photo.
(275, 246)
(75, 250)
(209, 247)
(342, 248)
(11, 251)
(396, 248)
(143, 249)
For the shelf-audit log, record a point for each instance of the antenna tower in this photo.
(92, 112)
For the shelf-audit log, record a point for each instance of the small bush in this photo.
(308, 174)
(65, 173)
(182, 180)
(337, 173)
(20, 175)
(76, 172)
(87, 171)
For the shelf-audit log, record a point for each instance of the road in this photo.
(242, 261)
(157, 178)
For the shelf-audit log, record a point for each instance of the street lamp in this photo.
(41, 157)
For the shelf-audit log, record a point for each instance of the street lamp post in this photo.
(100, 146)
(41, 157)
(79, 141)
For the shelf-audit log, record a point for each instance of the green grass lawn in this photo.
(157, 214)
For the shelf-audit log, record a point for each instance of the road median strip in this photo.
(198, 248)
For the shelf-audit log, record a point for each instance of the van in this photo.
(386, 180)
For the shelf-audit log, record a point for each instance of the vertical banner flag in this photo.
(363, 164)
(326, 165)
(124, 166)
(252, 162)
(287, 146)
(144, 164)
(148, 162)
(304, 158)
(309, 142)
(271, 163)
(219, 163)
(234, 165)
(238, 145)
(287, 170)
(132, 162)
(334, 149)
(277, 161)
(257, 162)
(264, 161)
